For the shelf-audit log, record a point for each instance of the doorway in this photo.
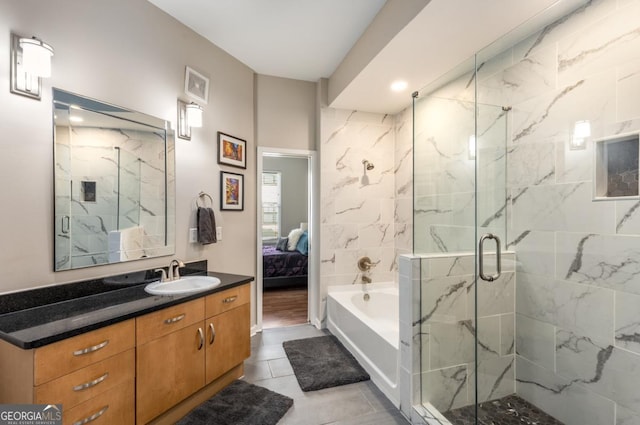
(286, 259)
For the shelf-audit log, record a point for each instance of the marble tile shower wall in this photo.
(446, 329)
(358, 208)
(578, 270)
(445, 173)
(92, 157)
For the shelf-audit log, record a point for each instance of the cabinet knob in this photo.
(174, 319)
(201, 339)
(212, 333)
(91, 349)
(230, 299)
(92, 417)
(90, 384)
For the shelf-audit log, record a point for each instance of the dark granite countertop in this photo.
(86, 306)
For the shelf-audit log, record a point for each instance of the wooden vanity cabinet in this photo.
(170, 358)
(88, 374)
(151, 369)
(179, 352)
(228, 330)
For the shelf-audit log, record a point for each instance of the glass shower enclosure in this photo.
(498, 172)
(467, 323)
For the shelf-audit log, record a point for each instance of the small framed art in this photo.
(232, 151)
(231, 191)
(196, 85)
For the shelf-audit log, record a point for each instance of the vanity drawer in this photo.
(226, 300)
(154, 325)
(116, 406)
(88, 382)
(61, 358)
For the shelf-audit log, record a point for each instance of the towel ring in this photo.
(203, 195)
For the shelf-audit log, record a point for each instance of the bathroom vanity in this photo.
(124, 356)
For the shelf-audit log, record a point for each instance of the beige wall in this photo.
(129, 53)
(285, 113)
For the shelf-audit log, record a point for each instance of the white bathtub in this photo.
(369, 330)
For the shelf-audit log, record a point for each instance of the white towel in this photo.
(126, 244)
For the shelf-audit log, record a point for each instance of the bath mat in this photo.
(322, 362)
(240, 403)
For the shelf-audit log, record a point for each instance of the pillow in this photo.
(281, 245)
(294, 236)
(303, 244)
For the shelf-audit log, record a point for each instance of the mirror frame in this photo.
(68, 99)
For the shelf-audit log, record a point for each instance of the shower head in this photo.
(369, 166)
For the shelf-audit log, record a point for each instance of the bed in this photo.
(283, 268)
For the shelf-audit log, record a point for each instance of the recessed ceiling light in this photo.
(399, 85)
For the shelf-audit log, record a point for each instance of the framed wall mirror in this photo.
(114, 189)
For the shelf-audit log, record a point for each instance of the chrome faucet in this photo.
(174, 269)
(163, 275)
(366, 279)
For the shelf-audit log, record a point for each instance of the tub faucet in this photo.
(366, 279)
(174, 269)
(365, 264)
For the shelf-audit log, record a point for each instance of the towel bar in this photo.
(202, 195)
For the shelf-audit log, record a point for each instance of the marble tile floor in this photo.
(510, 410)
(355, 404)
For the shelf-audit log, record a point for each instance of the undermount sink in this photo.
(184, 285)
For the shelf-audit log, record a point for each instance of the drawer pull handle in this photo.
(174, 319)
(91, 349)
(230, 299)
(212, 333)
(90, 384)
(92, 417)
(201, 339)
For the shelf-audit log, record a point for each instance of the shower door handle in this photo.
(65, 224)
(483, 276)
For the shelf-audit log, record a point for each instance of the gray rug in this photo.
(322, 362)
(240, 403)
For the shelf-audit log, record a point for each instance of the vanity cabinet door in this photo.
(228, 341)
(169, 369)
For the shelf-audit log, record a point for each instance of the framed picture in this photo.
(196, 85)
(232, 151)
(231, 191)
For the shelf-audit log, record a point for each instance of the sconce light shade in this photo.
(581, 130)
(36, 57)
(30, 61)
(194, 115)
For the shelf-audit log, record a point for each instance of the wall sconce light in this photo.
(184, 131)
(472, 146)
(581, 130)
(194, 115)
(189, 115)
(30, 62)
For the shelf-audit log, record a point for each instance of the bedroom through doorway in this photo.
(285, 233)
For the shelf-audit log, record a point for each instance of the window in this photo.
(271, 205)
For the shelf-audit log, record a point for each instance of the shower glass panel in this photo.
(459, 195)
(505, 147)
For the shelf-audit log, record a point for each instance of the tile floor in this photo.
(355, 404)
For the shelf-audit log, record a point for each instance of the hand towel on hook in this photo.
(206, 226)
